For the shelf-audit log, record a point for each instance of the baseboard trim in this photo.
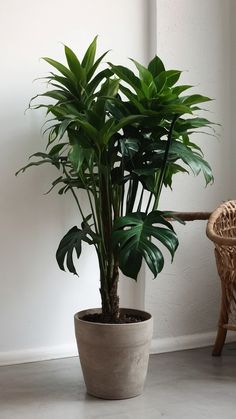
(38, 354)
(180, 343)
(158, 346)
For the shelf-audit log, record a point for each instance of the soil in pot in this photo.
(123, 318)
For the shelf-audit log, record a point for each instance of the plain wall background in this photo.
(195, 36)
(37, 300)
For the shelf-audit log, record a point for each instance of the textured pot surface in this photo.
(114, 357)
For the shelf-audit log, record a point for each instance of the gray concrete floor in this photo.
(180, 385)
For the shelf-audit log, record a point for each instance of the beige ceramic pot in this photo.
(114, 357)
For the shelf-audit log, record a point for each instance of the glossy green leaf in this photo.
(192, 159)
(156, 66)
(132, 240)
(71, 242)
(129, 147)
(172, 77)
(171, 170)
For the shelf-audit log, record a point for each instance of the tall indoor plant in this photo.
(121, 137)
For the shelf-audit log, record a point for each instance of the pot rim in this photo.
(123, 309)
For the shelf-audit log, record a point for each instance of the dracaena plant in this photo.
(120, 135)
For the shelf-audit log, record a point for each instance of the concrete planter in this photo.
(114, 357)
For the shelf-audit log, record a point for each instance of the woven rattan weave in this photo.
(221, 229)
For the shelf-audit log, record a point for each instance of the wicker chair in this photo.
(221, 229)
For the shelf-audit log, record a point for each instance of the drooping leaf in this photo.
(59, 95)
(194, 99)
(60, 67)
(57, 149)
(70, 242)
(171, 170)
(132, 240)
(177, 90)
(38, 163)
(192, 159)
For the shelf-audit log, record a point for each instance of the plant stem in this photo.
(140, 201)
(74, 194)
(149, 202)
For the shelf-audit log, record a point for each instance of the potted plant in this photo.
(121, 137)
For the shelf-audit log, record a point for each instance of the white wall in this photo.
(37, 301)
(195, 36)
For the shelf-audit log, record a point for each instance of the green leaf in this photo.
(106, 131)
(172, 77)
(132, 97)
(76, 156)
(127, 75)
(63, 127)
(179, 89)
(192, 159)
(144, 74)
(110, 88)
(160, 82)
(94, 83)
(156, 66)
(60, 67)
(56, 149)
(37, 163)
(88, 128)
(95, 66)
(128, 120)
(194, 99)
(129, 146)
(70, 242)
(171, 170)
(59, 95)
(132, 240)
(182, 125)
(75, 65)
(70, 84)
(89, 56)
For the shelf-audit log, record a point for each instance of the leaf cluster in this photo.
(120, 135)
